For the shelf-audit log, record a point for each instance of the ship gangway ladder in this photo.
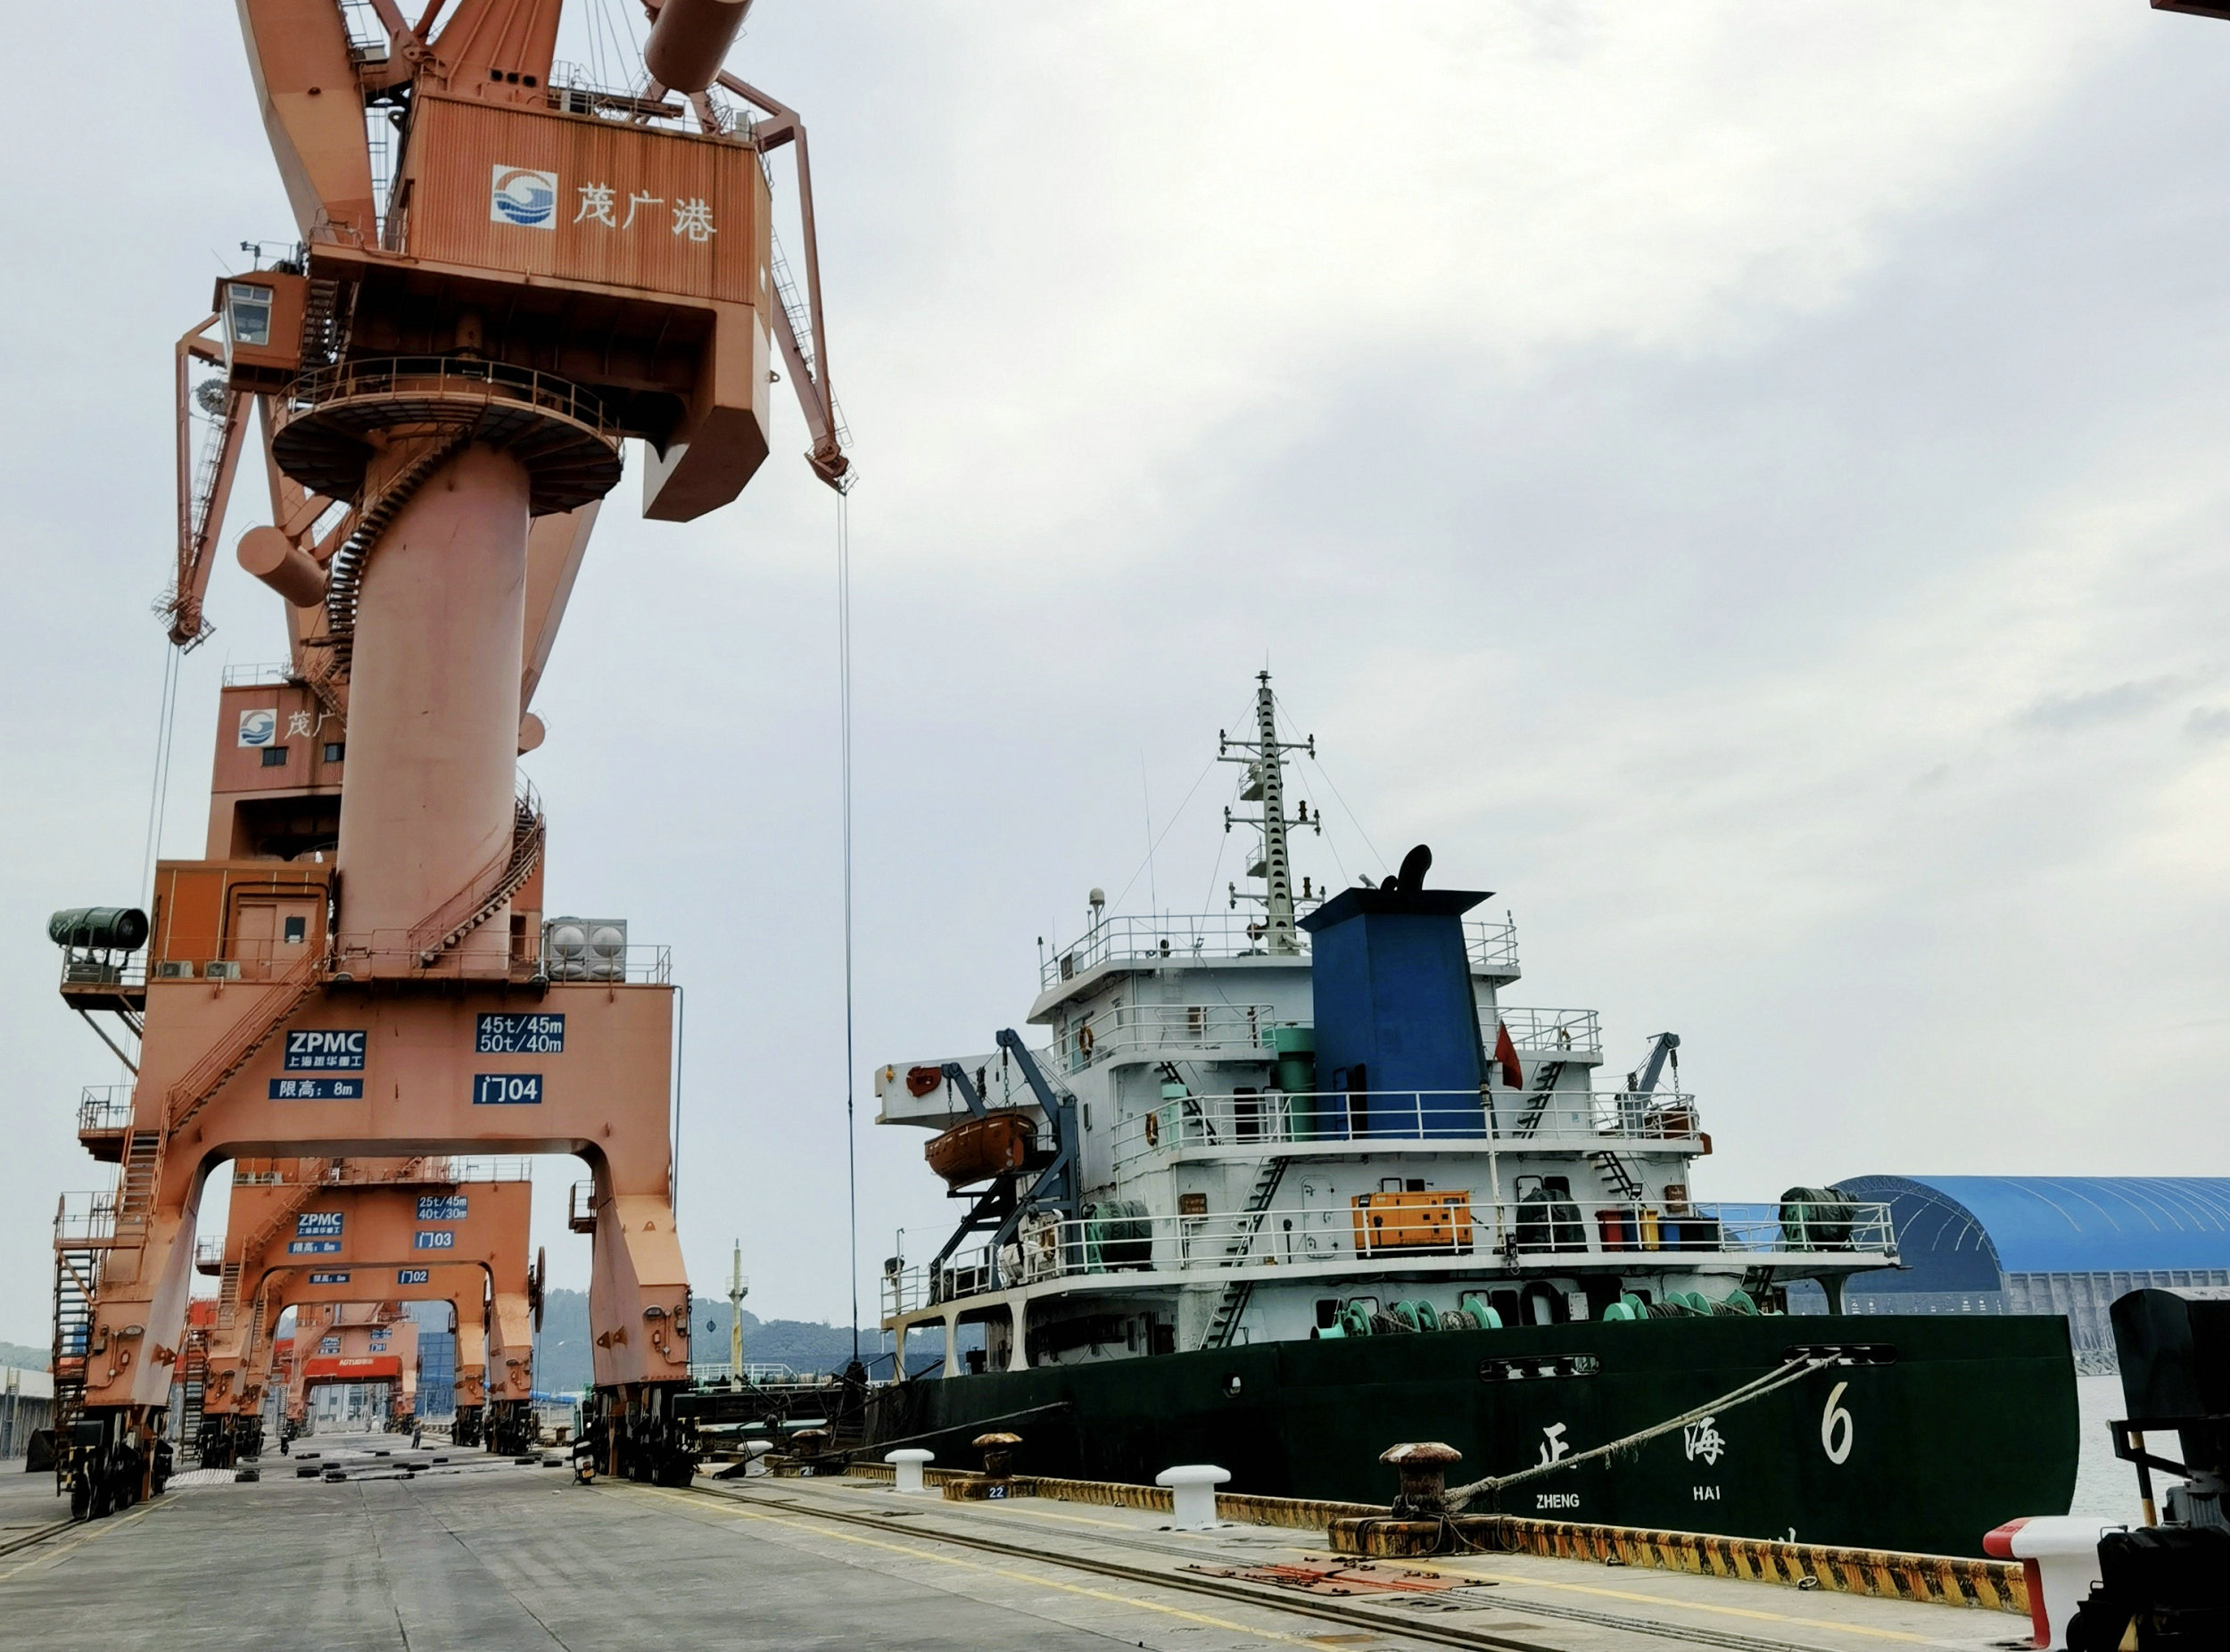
(1232, 1305)
(1611, 1168)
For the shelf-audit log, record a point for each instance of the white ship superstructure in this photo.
(1181, 1166)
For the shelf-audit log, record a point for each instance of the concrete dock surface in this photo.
(486, 1554)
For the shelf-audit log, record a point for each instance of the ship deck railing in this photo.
(1241, 1031)
(1550, 1033)
(759, 1372)
(1463, 1236)
(1334, 1123)
(1197, 936)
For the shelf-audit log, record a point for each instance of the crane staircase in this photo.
(486, 895)
(1236, 1294)
(344, 590)
(262, 1023)
(193, 1379)
(136, 1187)
(76, 1278)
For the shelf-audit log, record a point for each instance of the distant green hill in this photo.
(562, 1363)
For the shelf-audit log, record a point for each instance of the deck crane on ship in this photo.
(444, 369)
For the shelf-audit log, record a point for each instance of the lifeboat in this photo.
(976, 1150)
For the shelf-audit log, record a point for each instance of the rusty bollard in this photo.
(1423, 1467)
(997, 1450)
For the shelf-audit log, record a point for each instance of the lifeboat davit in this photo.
(976, 1150)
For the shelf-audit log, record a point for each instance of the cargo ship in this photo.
(1281, 1188)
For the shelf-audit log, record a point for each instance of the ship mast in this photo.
(1266, 785)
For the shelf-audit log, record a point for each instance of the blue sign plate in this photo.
(329, 1279)
(436, 1239)
(312, 1247)
(411, 1275)
(521, 1035)
(507, 1089)
(440, 1207)
(317, 1089)
(317, 1225)
(326, 1051)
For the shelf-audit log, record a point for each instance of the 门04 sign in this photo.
(507, 1089)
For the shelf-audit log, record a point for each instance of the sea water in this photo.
(2105, 1487)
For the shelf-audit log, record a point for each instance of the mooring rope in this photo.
(1461, 1497)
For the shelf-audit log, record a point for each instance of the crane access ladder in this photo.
(78, 1251)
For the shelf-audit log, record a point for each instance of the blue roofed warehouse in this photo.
(2039, 1244)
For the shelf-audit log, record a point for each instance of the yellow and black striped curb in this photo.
(1937, 1580)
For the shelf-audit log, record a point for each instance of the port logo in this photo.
(330, 1345)
(441, 1207)
(411, 1275)
(507, 1089)
(319, 1225)
(522, 196)
(435, 1239)
(259, 728)
(309, 1051)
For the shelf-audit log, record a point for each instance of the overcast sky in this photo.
(1744, 482)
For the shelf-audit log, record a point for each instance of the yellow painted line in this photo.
(1675, 1603)
(101, 1528)
(1019, 1577)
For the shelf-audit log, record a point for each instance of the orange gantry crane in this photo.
(352, 1345)
(502, 275)
(366, 1231)
(465, 1288)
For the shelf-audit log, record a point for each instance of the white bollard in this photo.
(906, 1464)
(1192, 1489)
(2060, 1553)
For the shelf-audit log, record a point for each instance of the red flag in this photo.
(1506, 1053)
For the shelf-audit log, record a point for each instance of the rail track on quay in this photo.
(1412, 1623)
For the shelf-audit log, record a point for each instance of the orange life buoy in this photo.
(1153, 1129)
(1083, 1039)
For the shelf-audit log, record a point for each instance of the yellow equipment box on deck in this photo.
(1412, 1221)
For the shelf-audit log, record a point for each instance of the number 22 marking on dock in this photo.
(1836, 1428)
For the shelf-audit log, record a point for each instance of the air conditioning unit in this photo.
(585, 949)
(174, 968)
(223, 970)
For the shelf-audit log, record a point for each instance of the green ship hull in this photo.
(1936, 1430)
